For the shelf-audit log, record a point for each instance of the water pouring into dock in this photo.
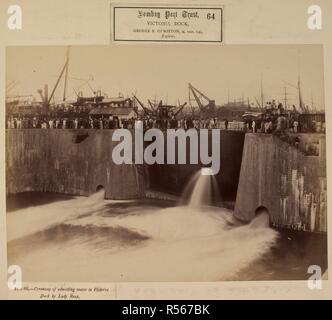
(201, 190)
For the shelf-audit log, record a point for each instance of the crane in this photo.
(180, 109)
(204, 103)
(146, 110)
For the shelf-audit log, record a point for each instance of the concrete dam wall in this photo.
(173, 178)
(66, 161)
(259, 170)
(285, 180)
(78, 161)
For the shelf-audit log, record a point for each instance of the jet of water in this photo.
(203, 189)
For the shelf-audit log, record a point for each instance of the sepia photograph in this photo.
(182, 163)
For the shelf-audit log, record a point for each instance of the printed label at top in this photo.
(169, 24)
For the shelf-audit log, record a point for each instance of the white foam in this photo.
(185, 244)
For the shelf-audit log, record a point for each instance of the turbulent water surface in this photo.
(92, 239)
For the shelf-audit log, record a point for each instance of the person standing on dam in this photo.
(295, 126)
(64, 123)
(226, 124)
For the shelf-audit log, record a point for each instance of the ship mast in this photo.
(285, 97)
(60, 76)
(66, 76)
(262, 93)
(313, 107)
(301, 104)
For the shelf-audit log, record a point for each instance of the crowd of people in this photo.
(278, 120)
(274, 119)
(111, 122)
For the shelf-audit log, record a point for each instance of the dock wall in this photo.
(273, 174)
(290, 184)
(76, 162)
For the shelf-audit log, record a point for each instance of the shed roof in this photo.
(116, 100)
(117, 111)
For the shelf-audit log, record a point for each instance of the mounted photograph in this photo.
(163, 163)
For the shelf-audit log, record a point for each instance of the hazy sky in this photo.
(165, 70)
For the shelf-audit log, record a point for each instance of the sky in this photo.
(153, 71)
